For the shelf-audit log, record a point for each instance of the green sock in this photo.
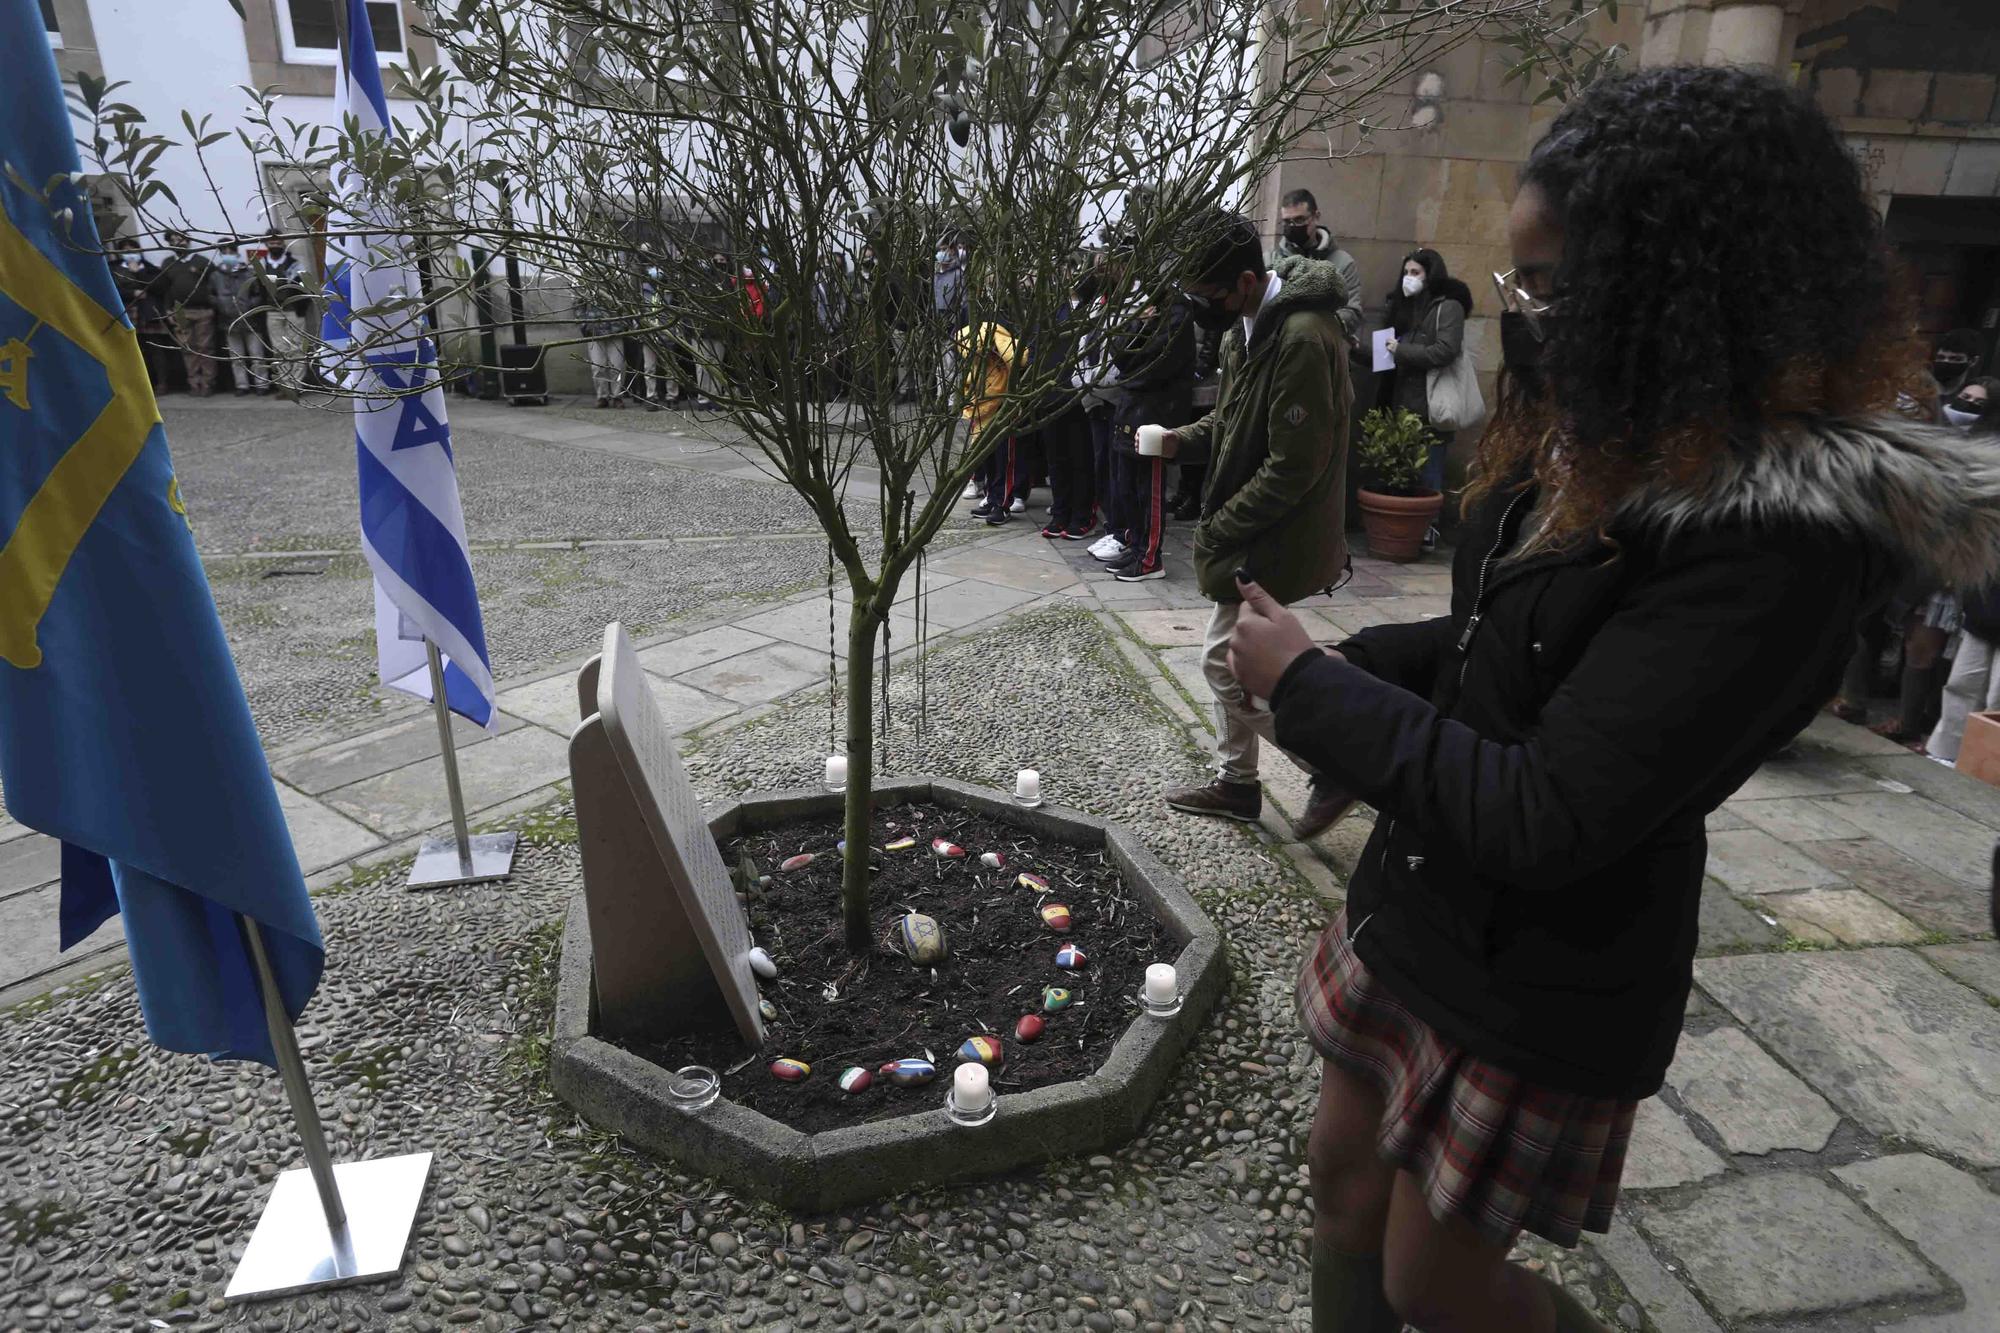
(1571, 1317)
(1347, 1293)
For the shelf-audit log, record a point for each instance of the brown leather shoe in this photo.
(1228, 800)
(1329, 805)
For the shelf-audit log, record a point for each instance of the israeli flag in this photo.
(412, 529)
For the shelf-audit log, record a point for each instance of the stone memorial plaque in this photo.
(670, 941)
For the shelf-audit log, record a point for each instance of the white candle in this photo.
(836, 771)
(970, 1089)
(1028, 785)
(1161, 984)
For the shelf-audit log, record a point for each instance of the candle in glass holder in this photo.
(970, 1090)
(1161, 984)
(836, 772)
(1028, 786)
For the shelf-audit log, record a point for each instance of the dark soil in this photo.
(1001, 955)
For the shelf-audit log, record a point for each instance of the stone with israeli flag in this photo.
(377, 348)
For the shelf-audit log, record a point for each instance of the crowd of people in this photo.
(237, 315)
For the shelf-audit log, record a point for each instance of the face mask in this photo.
(1961, 414)
(1521, 352)
(1299, 237)
(1949, 372)
(1412, 284)
(943, 257)
(1213, 315)
(868, 261)
(131, 261)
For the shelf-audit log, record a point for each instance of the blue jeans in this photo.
(1434, 465)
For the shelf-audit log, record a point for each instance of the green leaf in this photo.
(92, 89)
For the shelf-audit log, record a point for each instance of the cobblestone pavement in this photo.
(1825, 1155)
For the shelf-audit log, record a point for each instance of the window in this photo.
(49, 22)
(307, 33)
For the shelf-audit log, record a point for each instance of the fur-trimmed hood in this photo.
(1927, 496)
(1302, 284)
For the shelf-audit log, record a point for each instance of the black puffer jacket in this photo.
(1544, 757)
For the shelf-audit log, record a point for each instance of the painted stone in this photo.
(788, 1070)
(923, 939)
(993, 860)
(1054, 998)
(900, 845)
(1056, 917)
(1029, 1027)
(856, 1079)
(947, 849)
(1070, 956)
(986, 1050)
(1035, 882)
(769, 1010)
(908, 1072)
(761, 963)
(799, 862)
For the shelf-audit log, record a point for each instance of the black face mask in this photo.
(1210, 314)
(1950, 372)
(1521, 351)
(1299, 237)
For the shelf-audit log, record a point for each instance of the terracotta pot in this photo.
(1396, 524)
(1979, 749)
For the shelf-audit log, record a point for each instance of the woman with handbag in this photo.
(1427, 310)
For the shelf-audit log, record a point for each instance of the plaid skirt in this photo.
(1488, 1146)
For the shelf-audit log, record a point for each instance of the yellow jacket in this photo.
(989, 363)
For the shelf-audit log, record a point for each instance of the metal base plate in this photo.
(291, 1250)
(437, 863)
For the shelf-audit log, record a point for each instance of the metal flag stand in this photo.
(324, 1225)
(462, 859)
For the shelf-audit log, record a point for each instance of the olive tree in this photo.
(625, 144)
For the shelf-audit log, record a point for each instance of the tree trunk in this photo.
(862, 622)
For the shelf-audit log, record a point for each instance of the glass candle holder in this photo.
(1161, 995)
(692, 1087)
(1028, 787)
(836, 772)
(970, 1101)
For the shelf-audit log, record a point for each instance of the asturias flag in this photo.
(123, 727)
(412, 530)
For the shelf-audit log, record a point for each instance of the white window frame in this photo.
(294, 54)
(55, 33)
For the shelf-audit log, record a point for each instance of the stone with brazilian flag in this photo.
(123, 727)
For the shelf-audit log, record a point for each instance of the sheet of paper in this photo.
(1384, 358)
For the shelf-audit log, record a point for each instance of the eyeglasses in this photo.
(1515, 297)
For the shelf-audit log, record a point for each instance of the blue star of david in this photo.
(404, 372)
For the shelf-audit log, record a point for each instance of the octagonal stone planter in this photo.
(618, 1091)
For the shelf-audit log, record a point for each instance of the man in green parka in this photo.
(1273, 504)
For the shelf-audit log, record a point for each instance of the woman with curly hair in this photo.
(1694, 487)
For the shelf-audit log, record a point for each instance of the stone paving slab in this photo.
(1814, 1250)
(1664, 1152)
(698, 650)
(1804, 775)
(1669, 1306)
(1727, 926)
(1167, 629)
(1751, 861)
(1886, 1038)
(412, 798)
(1841, 916)
(1916, 891)
(338, 763)
(1977, 965)
(1751, 1101)
(1924, 831)
(1185, 664)
(1945, 785)
(803, 623)
(29, 861)
(1951, 1218)
(1794, 819)
(551, 702)
(1829, 733)
(29, 934)
(321, 836)
(968, 602)
(1007, 569)
(760, 675)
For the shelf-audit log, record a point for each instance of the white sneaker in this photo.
(1115, 553)
(1102, 544)
(971, 491)
(1019, 506)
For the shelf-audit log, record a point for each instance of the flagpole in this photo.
(298, 1091)
(448, 746)
(360, 1228)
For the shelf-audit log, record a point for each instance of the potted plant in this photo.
(1396, 507)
